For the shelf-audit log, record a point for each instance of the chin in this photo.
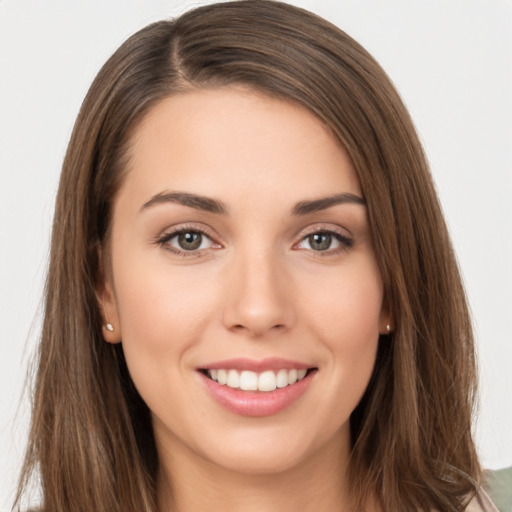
(273, 451)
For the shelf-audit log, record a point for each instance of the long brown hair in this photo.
(91, 437)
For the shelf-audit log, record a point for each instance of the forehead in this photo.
(231, 141)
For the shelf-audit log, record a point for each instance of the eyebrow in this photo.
(211, 205)
(186, 199)
(305, 207)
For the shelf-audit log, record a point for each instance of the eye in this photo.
(320, 241)
(186, 241)
(325, 241)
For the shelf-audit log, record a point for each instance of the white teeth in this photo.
(222, 376)
(282, 378)
(252, 381)
(233, 379)
(267, 381)
(248, 381)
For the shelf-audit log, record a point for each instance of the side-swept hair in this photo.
(91, 437)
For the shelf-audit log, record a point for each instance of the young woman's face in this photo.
(241, 257)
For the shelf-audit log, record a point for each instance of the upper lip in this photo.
(257, 366)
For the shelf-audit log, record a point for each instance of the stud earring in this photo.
(388, 329)
(109, 327)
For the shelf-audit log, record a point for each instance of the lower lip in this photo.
(257, 403)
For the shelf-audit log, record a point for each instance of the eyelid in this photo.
(325, 228)
(341, 234)
(169, 233)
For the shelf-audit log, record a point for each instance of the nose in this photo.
(259, 300)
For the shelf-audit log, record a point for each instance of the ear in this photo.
(110, 325)
(385, 327)
(386, 324)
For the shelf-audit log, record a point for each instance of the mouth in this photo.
(249, 388)
(266, 381)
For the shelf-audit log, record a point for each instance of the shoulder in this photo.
(498, 484)
(481, 503)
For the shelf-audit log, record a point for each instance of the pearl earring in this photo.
(388, 329)
(109, 327)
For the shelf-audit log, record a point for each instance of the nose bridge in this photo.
(259, 299)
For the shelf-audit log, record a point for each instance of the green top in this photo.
(498, 484)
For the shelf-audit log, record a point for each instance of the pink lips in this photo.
(257, 403)
(241, 364)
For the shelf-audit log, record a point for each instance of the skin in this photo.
(255, 288)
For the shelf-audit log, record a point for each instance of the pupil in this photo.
(189, 240)
(320, 241)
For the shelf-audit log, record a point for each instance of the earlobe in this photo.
(385, 327)
(110, 320)
(106, 302)
(386, 324)
(109, 333)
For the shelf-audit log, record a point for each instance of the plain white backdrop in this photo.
(451, 61)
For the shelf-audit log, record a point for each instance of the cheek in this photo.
(347, 305)
(346, 317)
(162, 312)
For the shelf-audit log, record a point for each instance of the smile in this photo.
(251, 388)
(251, 381)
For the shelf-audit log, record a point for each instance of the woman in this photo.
(252, 300)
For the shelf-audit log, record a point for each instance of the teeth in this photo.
(233, 379)
(282, 378)
(222, 376)
(248, 381)
(252, 381)
(267, 381)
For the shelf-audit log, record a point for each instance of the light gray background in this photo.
(450, 59)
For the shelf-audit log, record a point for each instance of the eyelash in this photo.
(345, 242)
(164, 240)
